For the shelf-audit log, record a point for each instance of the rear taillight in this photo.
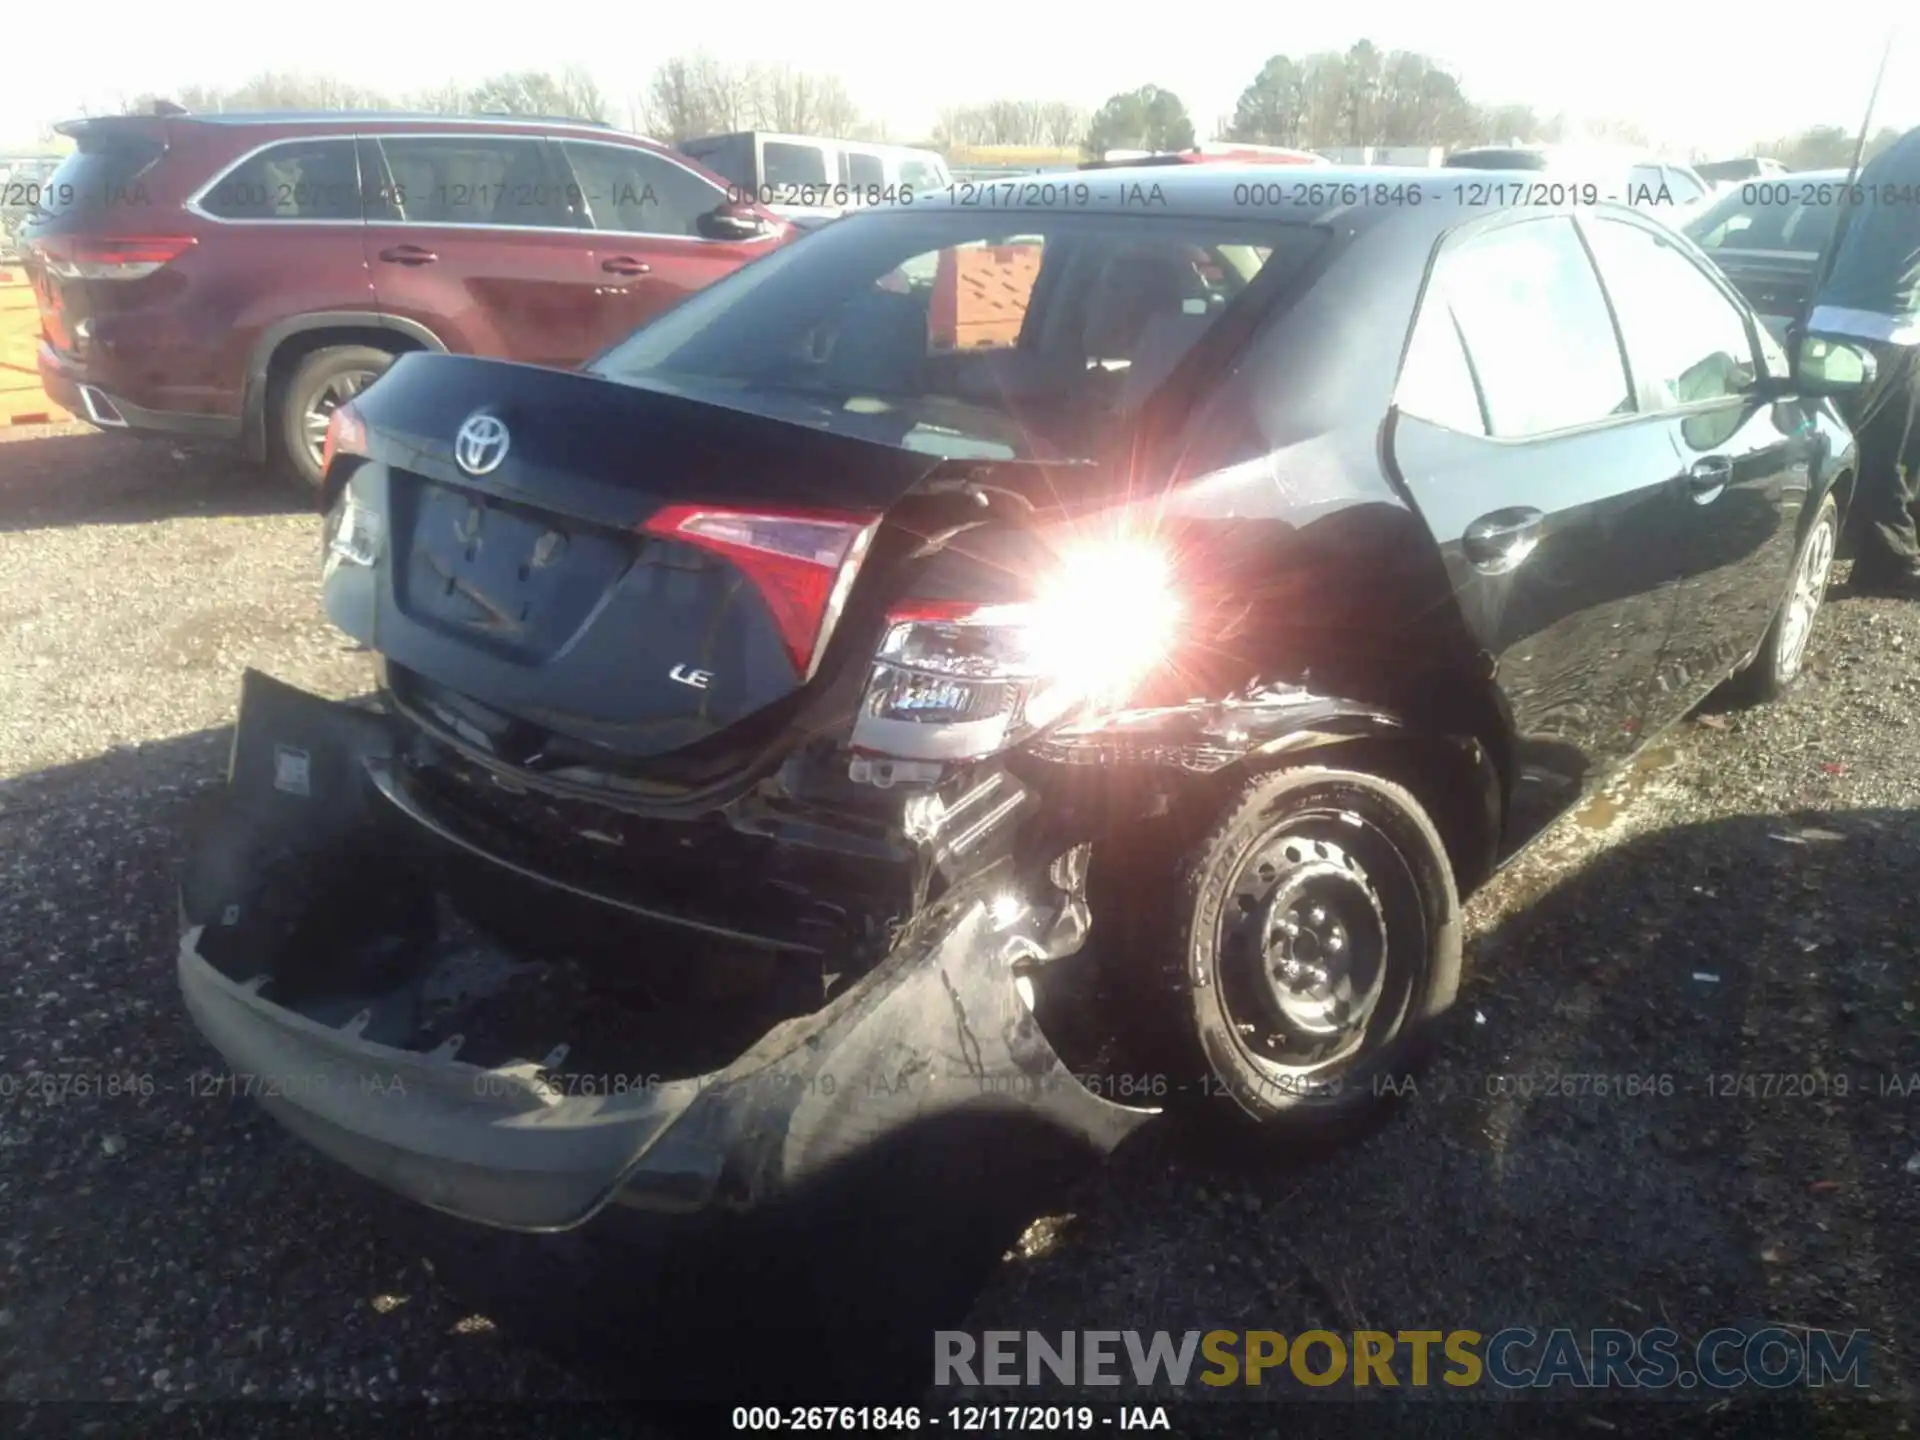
(803, 563)
(957, 681)
(346, 435)
(111, 257)
(954, 682)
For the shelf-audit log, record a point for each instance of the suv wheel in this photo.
(1777, 664)
(324, 381)
(1315, 931)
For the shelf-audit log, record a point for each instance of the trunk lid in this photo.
(625, 568)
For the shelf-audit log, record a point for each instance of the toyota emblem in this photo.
(481, 445)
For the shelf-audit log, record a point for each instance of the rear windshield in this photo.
(959, 331)
(1797, 218)
(103, 171)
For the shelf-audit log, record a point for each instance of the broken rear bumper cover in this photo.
(309, 931)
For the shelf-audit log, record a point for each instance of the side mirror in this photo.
(732, 222)
(1833, 367)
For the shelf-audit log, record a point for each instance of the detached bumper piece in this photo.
(322, 959)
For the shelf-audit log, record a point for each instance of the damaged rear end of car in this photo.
(752, 705)
(602, 893)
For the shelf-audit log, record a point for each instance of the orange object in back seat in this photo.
(980, 295)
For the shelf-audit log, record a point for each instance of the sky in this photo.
(1710, 76)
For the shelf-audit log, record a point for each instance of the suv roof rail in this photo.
(550, 119)
(338, 117)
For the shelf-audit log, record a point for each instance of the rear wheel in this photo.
(319, 385)
(1778, 662)
(1314, 930)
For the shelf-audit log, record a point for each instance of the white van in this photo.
(810, 179)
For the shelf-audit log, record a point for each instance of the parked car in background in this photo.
(1649, 182)
(236, 276)
(844, 706)
(1768, 236)
(1724, 174)
(1212, 152)
(810, 179)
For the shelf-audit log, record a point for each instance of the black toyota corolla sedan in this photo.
(1117, 616)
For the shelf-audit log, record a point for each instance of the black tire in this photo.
(315, 386)
(1370, 868)
(1782, 654)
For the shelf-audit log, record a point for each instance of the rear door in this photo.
(1517, 432)
(647, 251)
(1742, 465)
(475, 237)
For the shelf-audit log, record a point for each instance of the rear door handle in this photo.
(626, 265)
(1708, 476)
(408, 255)
(1497, 543)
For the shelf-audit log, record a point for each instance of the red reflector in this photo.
(801, 562)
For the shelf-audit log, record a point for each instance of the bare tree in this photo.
(446, 99)
(789, 100)
(834, 112)
(538, 92)
(692, 95)
(675, 107)
(1064, 124)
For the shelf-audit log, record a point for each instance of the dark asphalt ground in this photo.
(1743, 904)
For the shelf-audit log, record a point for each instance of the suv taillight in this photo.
(803, 563)
(111, 257)
(957, 681)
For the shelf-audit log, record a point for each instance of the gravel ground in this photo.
(1741, 903)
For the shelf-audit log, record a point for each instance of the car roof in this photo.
(790, 137)
(1360, 196)
(1574, 155)
(334, 117)
(366, 120)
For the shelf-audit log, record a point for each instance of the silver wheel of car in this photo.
(320, 384)
(331, 396)
(1803, 601)
(1777, 663)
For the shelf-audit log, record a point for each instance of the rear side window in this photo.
(863, 170)
(793, 164)
(638, 192)
(1689, 343)
(1789, 225)
(1644, 183)
(1436, 383)
(1681, 186)
(923, 177)
(730, 157)
(1537, 328)
(299, 180)
(103, 172)
(501, 181)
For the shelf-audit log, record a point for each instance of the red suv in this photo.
(238, 276)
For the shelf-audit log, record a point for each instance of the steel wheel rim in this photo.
(1305, 949)
(330, 397)
(1810, 578)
